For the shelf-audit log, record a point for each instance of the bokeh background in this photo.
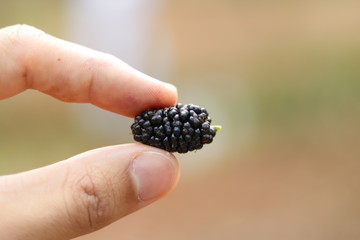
(282, 77)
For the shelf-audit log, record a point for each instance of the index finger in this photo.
(32, 59)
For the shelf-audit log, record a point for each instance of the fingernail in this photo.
(169, 85)
(153, 174)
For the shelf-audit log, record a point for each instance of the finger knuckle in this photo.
(93, 201)
(21, 32)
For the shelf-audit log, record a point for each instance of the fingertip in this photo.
(74, 73)
(163, 92)
(173, 94)
(162, 95)
(91, 190)
(145, 93)
(154, 174)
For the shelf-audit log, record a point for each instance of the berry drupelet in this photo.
(180, 128)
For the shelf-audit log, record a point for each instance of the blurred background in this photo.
(281, 77)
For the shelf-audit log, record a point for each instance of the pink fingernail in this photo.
(154, 174)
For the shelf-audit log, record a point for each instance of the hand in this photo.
(91, 190)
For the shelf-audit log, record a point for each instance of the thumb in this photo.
(84, 193)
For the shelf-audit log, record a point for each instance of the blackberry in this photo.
(180, 128)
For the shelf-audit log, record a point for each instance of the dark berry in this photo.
(184, 115)
(181, 128)
(156, 120)
(194, 121)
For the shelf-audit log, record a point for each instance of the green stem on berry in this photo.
(216, 127)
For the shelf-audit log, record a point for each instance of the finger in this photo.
(84, 193)
(30, 58)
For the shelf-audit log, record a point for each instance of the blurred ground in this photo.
(282, 77)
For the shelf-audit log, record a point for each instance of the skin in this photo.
(89, 191)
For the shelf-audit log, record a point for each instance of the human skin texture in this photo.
(93, 189)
